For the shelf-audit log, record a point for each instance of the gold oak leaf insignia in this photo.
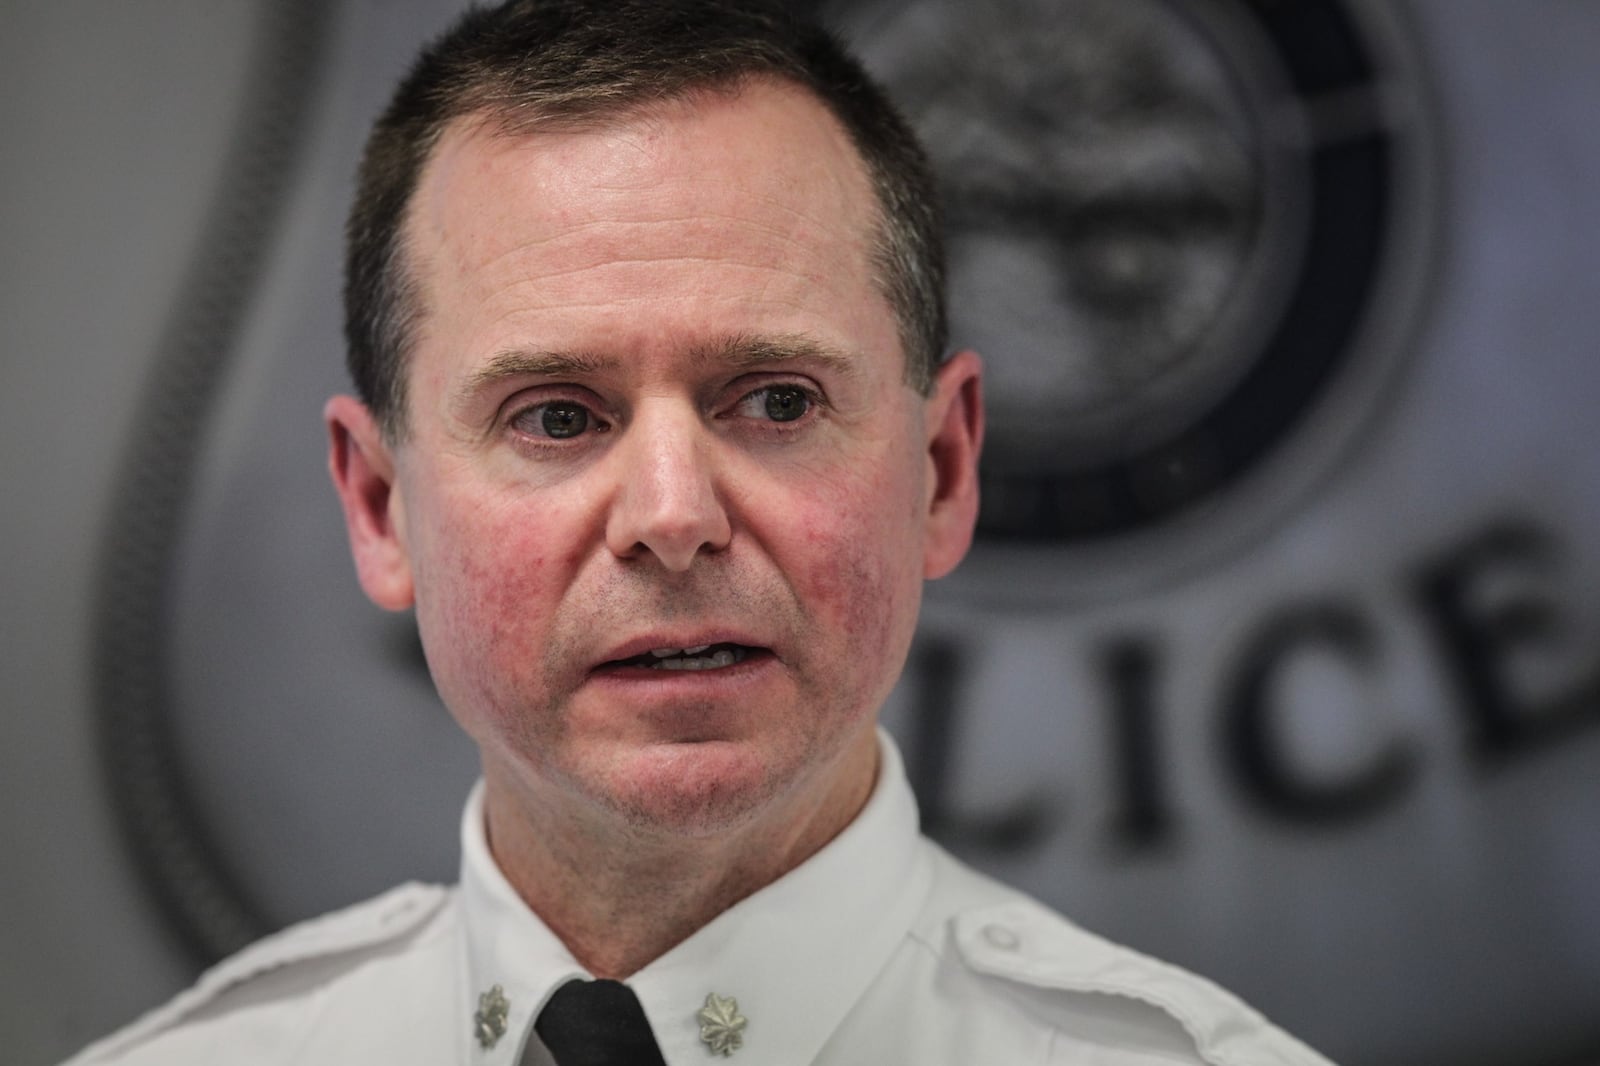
(721, 1025)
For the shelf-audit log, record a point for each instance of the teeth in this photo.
(688, 659)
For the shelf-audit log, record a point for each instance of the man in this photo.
(645, 312)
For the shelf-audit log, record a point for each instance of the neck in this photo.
(620, 894)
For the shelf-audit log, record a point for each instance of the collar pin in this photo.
(489, 1024)
(721, 1025)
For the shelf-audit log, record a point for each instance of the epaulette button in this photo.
(1002, 937)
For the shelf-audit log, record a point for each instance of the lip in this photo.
(693, 638)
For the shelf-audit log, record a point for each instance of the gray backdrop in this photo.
(1275, 656)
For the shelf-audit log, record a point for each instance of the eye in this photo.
(776, 403)
(558, 420)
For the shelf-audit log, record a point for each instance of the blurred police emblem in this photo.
(1193, 240)
(1187, 235)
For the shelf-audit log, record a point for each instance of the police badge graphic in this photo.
(1245, 655)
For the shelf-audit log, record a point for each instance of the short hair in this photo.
(572, 63)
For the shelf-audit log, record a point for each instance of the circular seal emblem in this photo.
(1191, 237)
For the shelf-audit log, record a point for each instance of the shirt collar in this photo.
(796, 955)
(508, 948)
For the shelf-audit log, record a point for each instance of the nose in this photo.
(667, 502)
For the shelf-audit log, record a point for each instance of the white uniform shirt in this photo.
(879, 949)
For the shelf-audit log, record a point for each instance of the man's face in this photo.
(665, 502)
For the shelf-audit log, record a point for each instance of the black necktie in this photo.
(597, 1023)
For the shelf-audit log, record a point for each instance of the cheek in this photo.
(484, 588)
(863, 566)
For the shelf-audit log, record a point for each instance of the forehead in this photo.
(753, 195)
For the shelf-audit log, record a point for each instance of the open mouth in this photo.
(700, 657)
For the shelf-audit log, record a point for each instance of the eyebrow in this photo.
(739, 352)
(752, 352)
(531, 363)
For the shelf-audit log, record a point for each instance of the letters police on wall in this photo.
(1249, 666)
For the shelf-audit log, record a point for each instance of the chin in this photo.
(700, 789)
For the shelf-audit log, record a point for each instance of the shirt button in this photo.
(1001, 937)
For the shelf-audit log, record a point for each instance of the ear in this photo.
(363, 470)
(954, 421)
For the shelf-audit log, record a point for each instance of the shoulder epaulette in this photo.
(1023, 941)
(370, 923)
